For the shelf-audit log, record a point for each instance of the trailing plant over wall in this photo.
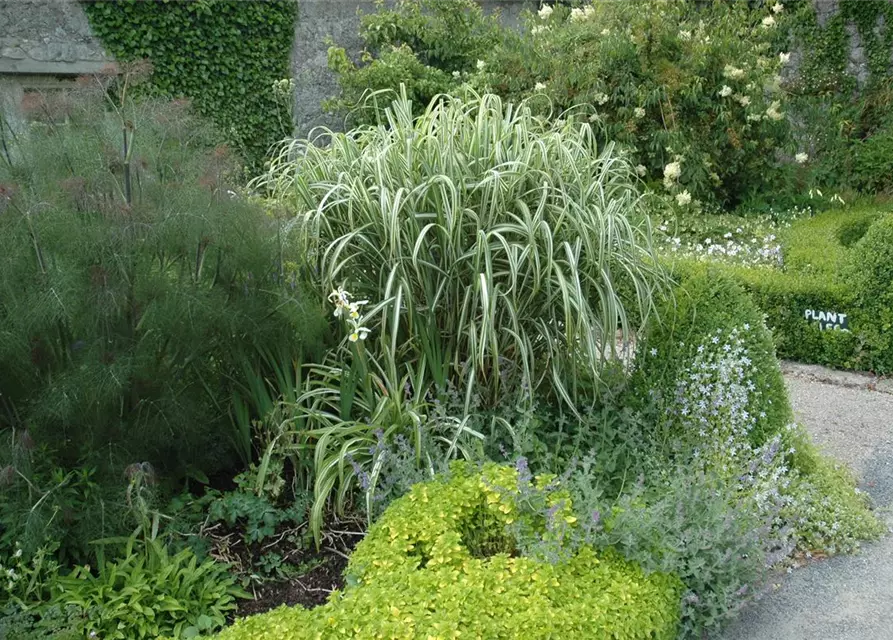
(224, 56)
(827, 47)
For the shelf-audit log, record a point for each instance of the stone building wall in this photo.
(44, 44)
(47, 37)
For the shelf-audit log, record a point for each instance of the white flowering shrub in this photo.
(693, 89)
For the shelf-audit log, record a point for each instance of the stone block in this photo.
(14, 53)
(38, 53)
(826, 9)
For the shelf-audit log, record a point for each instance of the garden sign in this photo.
(828, 320)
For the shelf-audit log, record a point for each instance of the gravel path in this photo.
(848, 597)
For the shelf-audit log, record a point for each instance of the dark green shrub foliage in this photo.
(851, 231)
(705, 304)
(694, 90)
(826, 268)
(784, 298)
(130, 288)
(225, 56)
(870, 275)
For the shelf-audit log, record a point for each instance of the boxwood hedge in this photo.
(837, 262)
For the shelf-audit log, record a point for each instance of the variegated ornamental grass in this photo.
(501, 253)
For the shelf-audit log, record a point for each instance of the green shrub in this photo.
(132, 286)
(822, 274)
(689, 88)
(784, 298)
(708, 307)
(436, 565)
(814, 245)
(851, 231)
(424, 45)
(695, 87)
(873, 162)
(869, 274)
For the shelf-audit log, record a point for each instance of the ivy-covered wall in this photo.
(223, 55)
(846, 44)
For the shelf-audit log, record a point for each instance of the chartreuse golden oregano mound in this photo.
(438, 564)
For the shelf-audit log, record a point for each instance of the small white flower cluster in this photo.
(641, 170)
(539, 86)
(752, 241)
(769, 21)
(350, 310)
(733, 73)
(801, 158)
(600, 98)
(639, 113)
(545, 12)
(284, 88)
(773, 112)
(579, 14)
(683, 199)
(672, 172)
(725, 92)
(9, 573)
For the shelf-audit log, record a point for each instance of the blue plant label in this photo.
(828, 320)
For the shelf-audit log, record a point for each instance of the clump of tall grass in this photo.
(501, 253)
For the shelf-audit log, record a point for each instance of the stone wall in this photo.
(340, 21)
(43, 42)
(47, 37)
(44, 45)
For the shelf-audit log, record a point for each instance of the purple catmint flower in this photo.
(521, 466)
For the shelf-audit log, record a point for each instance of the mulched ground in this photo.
(309, 588)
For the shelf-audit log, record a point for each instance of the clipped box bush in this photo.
(438, 564)
(838, 262)
(708, 303)
(869, 273)
(784, 299)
